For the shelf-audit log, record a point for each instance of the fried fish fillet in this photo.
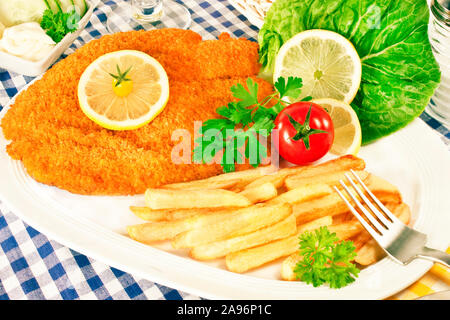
(60, 146)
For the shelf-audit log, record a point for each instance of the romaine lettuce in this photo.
(399, 72)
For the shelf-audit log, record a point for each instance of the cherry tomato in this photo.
(305, 132)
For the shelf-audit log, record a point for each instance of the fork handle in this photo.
(435, 255)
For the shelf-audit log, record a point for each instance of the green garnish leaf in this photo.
(325, 259)
(290, 87)
(247, 97)
(244, 122)
(58, 24)
(219, 124)
(120, 76)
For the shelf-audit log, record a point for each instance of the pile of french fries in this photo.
(254, 217)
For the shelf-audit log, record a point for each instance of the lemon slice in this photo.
(326, 61)
(347, 130)
(130, 103)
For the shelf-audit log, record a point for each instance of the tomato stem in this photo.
(304, 131)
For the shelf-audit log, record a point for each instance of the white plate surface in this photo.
(414, 159)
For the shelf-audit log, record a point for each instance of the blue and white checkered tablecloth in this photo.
(35, 267)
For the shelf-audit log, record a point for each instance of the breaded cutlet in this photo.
(60, 146)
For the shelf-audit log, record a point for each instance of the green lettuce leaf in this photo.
(399, 72)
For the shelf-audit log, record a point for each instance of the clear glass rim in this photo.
(441, 10)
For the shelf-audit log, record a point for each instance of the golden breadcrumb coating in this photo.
(60, 146)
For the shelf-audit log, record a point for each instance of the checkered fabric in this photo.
(35, 267)
(436, 280)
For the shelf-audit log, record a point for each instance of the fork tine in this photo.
(386, 211)
(366, 201)
(377, 226)
(367, 226)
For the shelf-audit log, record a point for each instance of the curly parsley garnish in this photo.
(326, 259)
(243, 122)
(58, 24)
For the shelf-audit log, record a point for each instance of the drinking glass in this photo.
(439, 34)
(147, 15)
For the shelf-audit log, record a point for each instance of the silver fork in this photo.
(400, 242)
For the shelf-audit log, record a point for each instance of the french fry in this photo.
(371, 252)
(288, 267)
(165, 230)
(383, 189)
(241, 222)
(219, 249)
(339, 164)
(260, 193)
(224, 181)
(344, 217)
(151, 232)
(179, 199)
(334, 205)
(343, 163)
(314, 209)
(277, 179)
(147, 214)
(346, 230)
(361, 239)
(302, 194)
(330, 179)
(255, 216)
(247, 259)
(203, 185)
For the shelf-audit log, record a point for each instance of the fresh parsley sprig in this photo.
(325, 259)
(244, 122)
(58, 24)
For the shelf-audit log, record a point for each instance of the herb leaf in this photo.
(326, 259)
(120, 76)
(290, 87)
(58, 24)
(247, 97)
(244, 122)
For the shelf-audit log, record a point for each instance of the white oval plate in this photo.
(414, 159)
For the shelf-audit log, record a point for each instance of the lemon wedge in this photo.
(347, 130)
(2, 28)
(326, 61)
(123, 90)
